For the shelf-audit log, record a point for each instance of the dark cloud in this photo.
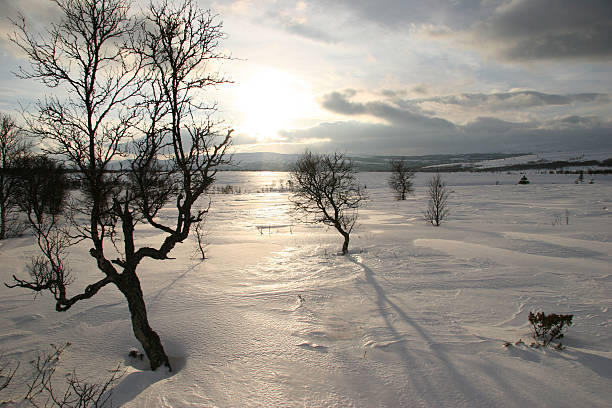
(406, 112)
(579, 122)
(393, 94)
(492, 126)
(517, 100)
(360, 137)
(482, 135)
(309, 32)
(519, 30)
(401, 14)
(339, 102)
(408, 130)
(552, 29)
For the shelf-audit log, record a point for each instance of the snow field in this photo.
(414, 316)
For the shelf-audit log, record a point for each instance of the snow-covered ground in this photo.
(599, 155)
(414, 316)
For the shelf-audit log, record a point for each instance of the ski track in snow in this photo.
(413, 316)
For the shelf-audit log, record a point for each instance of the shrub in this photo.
(549, 327)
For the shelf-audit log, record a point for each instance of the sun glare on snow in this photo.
(272, 100)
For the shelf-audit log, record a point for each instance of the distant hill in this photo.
(597, 161)
(282, 162)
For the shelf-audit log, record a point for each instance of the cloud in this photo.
(338, 102)
(550, 29)
(489, 126)
(516, 30)
(305, 30)
(39, 14)
(516, 100)
(476, 111)
(482, 135)
(578, 122)
(401, 14)
(297, 18)
(401, 128)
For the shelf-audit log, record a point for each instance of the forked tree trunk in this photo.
(148, 338)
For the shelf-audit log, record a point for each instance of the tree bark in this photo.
(148, 338)
(346, 242)
(2, 221)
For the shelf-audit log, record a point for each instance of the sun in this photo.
(272, 100)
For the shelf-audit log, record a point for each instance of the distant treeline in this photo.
(424, 165)
(561, 166)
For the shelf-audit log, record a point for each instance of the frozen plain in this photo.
(415, 316)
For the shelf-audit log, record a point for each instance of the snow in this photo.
(599, 155)
(414, 316)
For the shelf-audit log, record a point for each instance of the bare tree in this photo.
(200, 234)
(12, 147)
(326, 191)
(401, 179)
(134, 95)
(437, 206)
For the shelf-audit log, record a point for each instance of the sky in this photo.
(397, 77)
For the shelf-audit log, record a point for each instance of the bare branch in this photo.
(43, 390)
(134, 95)
(6, 372)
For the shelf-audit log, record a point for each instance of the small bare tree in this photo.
(135, 95)
(326, 191)
(200, 233)
(43, 391)
(437, 206)
(13, 146)
(401, 179)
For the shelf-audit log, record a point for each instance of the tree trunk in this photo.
(2, 221)
(148, 338)
(346, 243)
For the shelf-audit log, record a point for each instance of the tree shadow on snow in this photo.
(455, 381)
(133, 384)
(153, 298)
(598, 364)
(527, 354)
(419, 381)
